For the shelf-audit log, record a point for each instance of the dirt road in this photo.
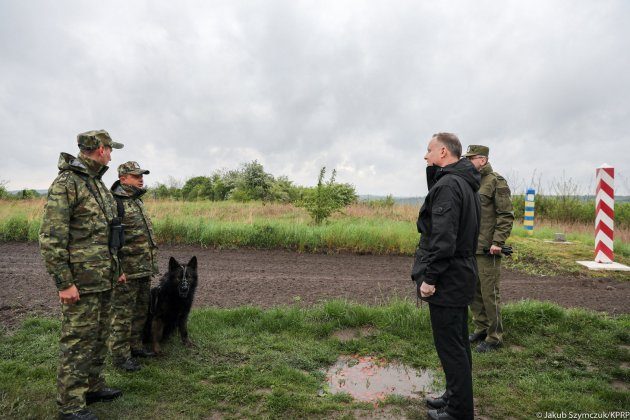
(230, 278)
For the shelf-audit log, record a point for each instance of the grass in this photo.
(359, 228)
(253, 363)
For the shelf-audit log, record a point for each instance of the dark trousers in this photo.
(450, 335)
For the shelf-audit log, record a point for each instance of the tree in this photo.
(345, 193)
(26, 194)
(3, 189)
(159, 191)
(283, 190)
(326, 198)
(198, 188)
(253, 183)
(223, 183)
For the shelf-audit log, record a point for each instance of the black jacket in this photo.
(449, 226)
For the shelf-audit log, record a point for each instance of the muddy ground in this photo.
(265, 278)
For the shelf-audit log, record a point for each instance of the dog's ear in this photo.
(193, 263)
(173, 264)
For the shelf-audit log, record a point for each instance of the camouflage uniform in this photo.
(74, 243)
(130, 300)
(497, 219)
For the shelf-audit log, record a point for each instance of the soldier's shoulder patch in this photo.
(503, 190)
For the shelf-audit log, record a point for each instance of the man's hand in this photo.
(495, 250)
(426, 290)
(122, 278)
(69, 296)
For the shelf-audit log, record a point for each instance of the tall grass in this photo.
(569, 209)
(359, 228)
(361, 236)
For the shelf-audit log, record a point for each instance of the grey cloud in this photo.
(193, 86)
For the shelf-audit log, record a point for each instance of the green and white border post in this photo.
(528, 214)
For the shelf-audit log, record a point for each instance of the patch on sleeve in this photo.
(440, 210)
(503, 191)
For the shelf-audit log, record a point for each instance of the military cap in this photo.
(131, 167)
(91, 140)
(477, 150)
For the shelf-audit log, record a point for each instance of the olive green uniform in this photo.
(74, 243)
(130, 300)
(497, 219)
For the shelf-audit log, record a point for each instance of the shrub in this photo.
(252, 183)
(327, 197)
(198, 188)
(3, 189)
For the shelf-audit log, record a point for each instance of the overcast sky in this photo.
(194, 86)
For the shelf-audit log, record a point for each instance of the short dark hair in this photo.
(451, 142)
(89, 151)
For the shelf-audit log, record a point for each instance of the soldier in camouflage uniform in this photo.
(130, 300)
(497, 219)
(74, 242)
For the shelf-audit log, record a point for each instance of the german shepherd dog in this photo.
(170, 304)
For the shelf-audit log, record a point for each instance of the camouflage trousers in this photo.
(130, 303)
(83, 348)
(486, 306)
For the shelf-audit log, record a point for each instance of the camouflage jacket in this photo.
(74, 234)
(138, 256)
(497, 216)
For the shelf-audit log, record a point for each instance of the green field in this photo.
(359, 228)
(253, 363)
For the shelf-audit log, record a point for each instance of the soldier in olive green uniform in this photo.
(497, 219)
(130, 300)
(75, 245)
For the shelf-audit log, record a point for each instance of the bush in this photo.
(15, 228)
(344, 193)
(198, 188)
(327, 197)
(387, 202)
(3, 189)
(252, 183)
(283, 191)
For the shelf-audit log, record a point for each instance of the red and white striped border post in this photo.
(604, 214)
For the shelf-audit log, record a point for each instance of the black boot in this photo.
(129, 365)
(79, 415)
(478, 336)
(105, 394)
(436, 403)
(485, 347)
(439, 414)
(142, 353)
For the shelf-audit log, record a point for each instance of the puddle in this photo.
(371, 379)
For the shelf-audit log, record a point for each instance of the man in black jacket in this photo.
(445, 268)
